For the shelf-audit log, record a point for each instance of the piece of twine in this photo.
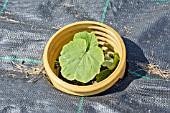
(4, 6)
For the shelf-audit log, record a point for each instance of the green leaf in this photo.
(77, 63)
(115, 61)
(107, 62)
(103, 75)
(90, 38)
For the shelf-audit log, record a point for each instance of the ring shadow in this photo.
(135, 55)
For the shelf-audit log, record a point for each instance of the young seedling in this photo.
(82, 60)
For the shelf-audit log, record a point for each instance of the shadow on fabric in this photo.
(134, 56)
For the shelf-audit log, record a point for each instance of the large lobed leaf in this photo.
(90, 38)
(79, 63)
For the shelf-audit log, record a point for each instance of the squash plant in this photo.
(82, 61)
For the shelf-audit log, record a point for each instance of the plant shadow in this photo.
(135, 55)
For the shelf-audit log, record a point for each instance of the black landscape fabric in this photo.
(27, 25)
